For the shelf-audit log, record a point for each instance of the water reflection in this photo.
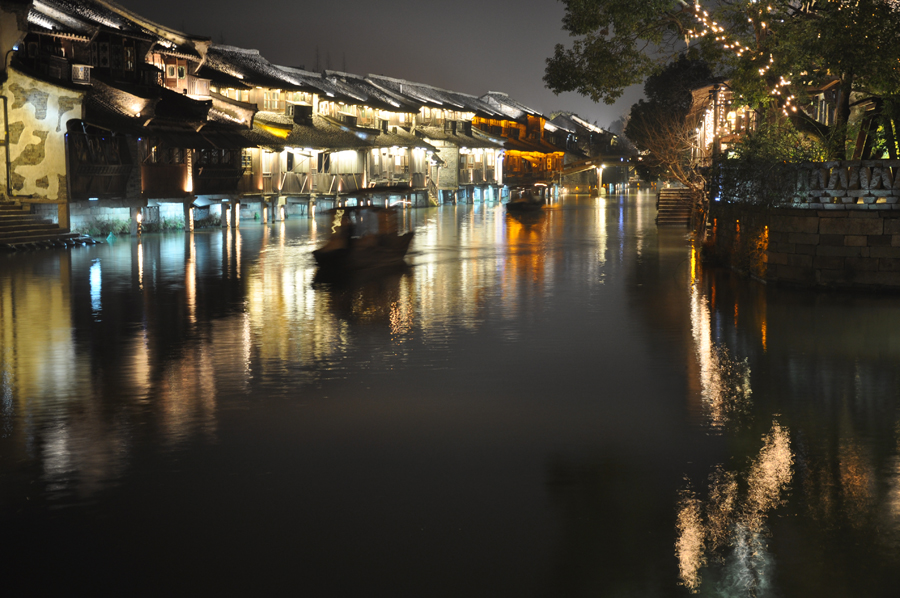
(193, 375)
(725, 380)
(824, 364)
(729, 526)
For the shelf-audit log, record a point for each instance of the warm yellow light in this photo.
(276, 131)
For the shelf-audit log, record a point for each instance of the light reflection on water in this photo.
(730, 527)
(726, 393)
(530, 393)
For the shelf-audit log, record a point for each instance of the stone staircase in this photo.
(673, 207)
(20, 229)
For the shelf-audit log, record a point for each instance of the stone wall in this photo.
(847, 184)
(850, 248)
(90, 216)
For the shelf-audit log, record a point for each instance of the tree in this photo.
(663, 125)
(666, 143)
(614, 45)
(770, 51)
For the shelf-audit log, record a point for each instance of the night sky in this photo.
(472, 46)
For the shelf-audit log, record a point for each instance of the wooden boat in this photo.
(363, 238)
(524, 205)
(525, 201)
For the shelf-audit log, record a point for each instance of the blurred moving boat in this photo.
(363, 238)
(526, 200)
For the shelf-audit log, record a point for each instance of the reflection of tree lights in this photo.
(857, 477)
(690, 544)
(730, 529)
(725, 381)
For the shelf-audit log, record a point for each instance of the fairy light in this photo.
(710, 26)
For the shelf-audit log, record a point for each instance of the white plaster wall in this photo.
(36, 128)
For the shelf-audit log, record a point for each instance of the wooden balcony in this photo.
(295, 183)
(520, 179)
(216, 180)
(100, 181)
(269, 184)
(163, 180)
(99, 165)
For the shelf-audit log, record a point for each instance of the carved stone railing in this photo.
(856, 184)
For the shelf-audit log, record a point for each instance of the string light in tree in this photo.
(710, 26)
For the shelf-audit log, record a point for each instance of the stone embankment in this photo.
(841, 229)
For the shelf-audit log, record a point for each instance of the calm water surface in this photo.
(562, 406)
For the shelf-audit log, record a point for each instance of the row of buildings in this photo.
(108, 116)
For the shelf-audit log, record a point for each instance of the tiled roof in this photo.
(250, 67)
(435, 97)
(508, 106)
(460, 140)
(319, 135)
(401, 138)
(86, 17)
(373, 95)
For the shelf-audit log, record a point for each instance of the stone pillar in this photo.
(189, 215)
(63, 216)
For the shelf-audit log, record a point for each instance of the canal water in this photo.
(561, 405)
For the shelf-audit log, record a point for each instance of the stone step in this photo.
(20, 229)
(40, 240)
(17, 218)
(8, 228)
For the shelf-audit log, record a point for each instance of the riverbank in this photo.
(827, 248)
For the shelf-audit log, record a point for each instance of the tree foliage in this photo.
(614, 45)
(772, 52)
(763, 165)
(662, 126)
